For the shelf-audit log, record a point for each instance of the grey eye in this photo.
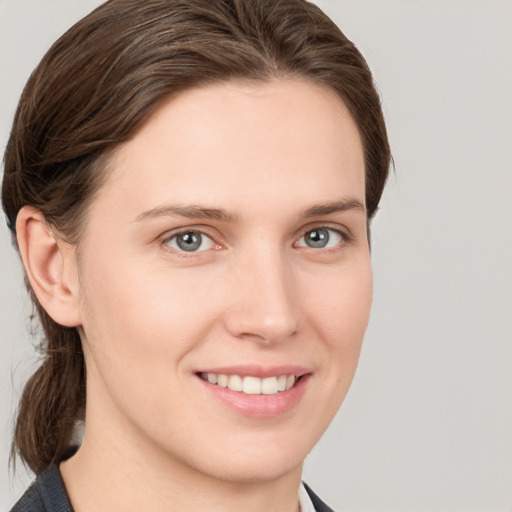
(190, 241)
(320, 238)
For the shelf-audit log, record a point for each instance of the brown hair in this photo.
(99, 83)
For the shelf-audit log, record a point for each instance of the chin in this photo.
(263, 469)
(265, 459)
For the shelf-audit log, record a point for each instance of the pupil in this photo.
(317, 238)
(189, 241)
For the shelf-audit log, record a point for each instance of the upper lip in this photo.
(254, 370)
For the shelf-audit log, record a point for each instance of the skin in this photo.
(151, 316)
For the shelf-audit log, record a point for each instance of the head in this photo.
(135, 82)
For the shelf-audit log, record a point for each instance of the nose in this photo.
(263, 305)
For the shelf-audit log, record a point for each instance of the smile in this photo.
(256, 391)
(251, 385)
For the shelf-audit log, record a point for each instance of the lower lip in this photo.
(259, 406)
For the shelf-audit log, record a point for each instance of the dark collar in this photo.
(46, 494)
(319, 505)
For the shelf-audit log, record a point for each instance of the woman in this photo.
(190, 185)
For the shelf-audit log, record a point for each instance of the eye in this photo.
(320, 238)
(190, 241)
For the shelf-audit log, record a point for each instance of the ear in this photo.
(50, 264)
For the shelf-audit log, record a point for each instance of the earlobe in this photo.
(49, 264)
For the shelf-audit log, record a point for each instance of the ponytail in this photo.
(53, 399)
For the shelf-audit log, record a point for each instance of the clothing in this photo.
(319, 505)
(48, 494)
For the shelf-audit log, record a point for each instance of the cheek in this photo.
(342, 309)
(136, 313)
(341, 318)
(139, 329)
(339, 315)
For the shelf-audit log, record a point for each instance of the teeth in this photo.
(223, 381)
(269, 386)
(235, 383)
(251, 385)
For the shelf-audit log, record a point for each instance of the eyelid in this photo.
(195, 228)
(344, 232)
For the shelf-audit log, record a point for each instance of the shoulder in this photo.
(319, 505)
(46, 494)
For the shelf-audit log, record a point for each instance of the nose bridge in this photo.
(264, 304)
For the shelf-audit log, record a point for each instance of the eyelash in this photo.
(345, 238)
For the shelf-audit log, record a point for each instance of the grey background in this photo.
(427, 425)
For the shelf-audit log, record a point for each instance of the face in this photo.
(225, 280)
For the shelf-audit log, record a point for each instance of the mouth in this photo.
(255, 391)
(252, 385)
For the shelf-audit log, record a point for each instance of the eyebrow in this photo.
(195, 211)
(333, 207)
(191, 211)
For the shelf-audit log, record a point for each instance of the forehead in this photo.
(240, 142)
